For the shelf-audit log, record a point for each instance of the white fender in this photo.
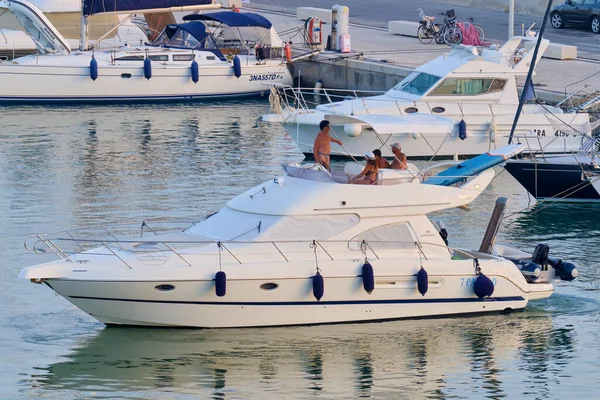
(493, 130)
(352, 130)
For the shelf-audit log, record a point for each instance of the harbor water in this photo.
(75, 166)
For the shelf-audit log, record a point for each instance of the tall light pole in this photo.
(511, 18)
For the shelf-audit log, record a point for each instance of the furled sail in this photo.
(91, 7)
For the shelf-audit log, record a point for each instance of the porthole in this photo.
(125, 75)
(164, 288)
(438, 109)
(411, 110)
(269, 286)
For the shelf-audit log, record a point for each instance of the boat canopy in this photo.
(233, 19)
(91, 7)
(247, 29)
(191, 35)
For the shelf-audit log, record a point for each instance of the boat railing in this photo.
(66, 244)
(286, 100)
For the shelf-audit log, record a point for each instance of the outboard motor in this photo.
(564, 270)
(540, 254)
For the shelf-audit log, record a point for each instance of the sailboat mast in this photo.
(528, 80)
(84, 28)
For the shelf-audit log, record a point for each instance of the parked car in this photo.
(577, 12)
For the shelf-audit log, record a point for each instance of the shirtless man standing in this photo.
(399, 157)
(322, 146)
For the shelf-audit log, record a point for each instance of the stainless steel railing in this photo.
(297, 100)
(65, 244)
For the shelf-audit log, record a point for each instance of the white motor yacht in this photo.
(211, 55)
(463, 102)
(303, 248)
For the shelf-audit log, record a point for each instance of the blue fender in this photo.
(237, 67)
(93, 69)
(195, 72)
(147, 68)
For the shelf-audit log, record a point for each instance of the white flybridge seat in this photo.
(386, 176)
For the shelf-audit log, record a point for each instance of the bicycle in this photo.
(447, 33)
(480, 31)
(451, 33)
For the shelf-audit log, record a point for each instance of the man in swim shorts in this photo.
(322, 146)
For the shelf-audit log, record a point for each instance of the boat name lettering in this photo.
(471, 281)
(542, 132)
(264, 77)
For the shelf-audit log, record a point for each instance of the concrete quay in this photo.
(380, 60)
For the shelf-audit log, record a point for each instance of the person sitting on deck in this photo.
(368, 176)
(399, 157)
(322, 145)
(381, 162)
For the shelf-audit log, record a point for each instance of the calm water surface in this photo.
(67, 167)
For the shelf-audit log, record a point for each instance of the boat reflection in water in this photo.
(487, 356)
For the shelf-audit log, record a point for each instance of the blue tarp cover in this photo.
(91, 7)
(231, 18)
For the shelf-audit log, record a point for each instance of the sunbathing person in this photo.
(368, 176)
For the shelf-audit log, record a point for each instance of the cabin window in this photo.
(183, 39)
(130, 58)
(159, 58)
(411, 110)
(125, 75)
(230, 224)
(183, 57)
(468, 87)
(398, 236)
(269, 286)
(210, 58)
(416, 83)
(438, 110)
(317, 227)
(164, 288)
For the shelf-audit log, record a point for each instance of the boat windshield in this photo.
(417, 83)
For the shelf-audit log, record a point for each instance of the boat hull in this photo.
(58, 84)
(556, 181)
(344, 301)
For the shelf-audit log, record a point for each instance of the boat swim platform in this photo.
(380, 60)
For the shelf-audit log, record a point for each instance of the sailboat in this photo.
(211, 55)
(65, 16)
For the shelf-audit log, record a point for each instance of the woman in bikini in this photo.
(368, 176)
